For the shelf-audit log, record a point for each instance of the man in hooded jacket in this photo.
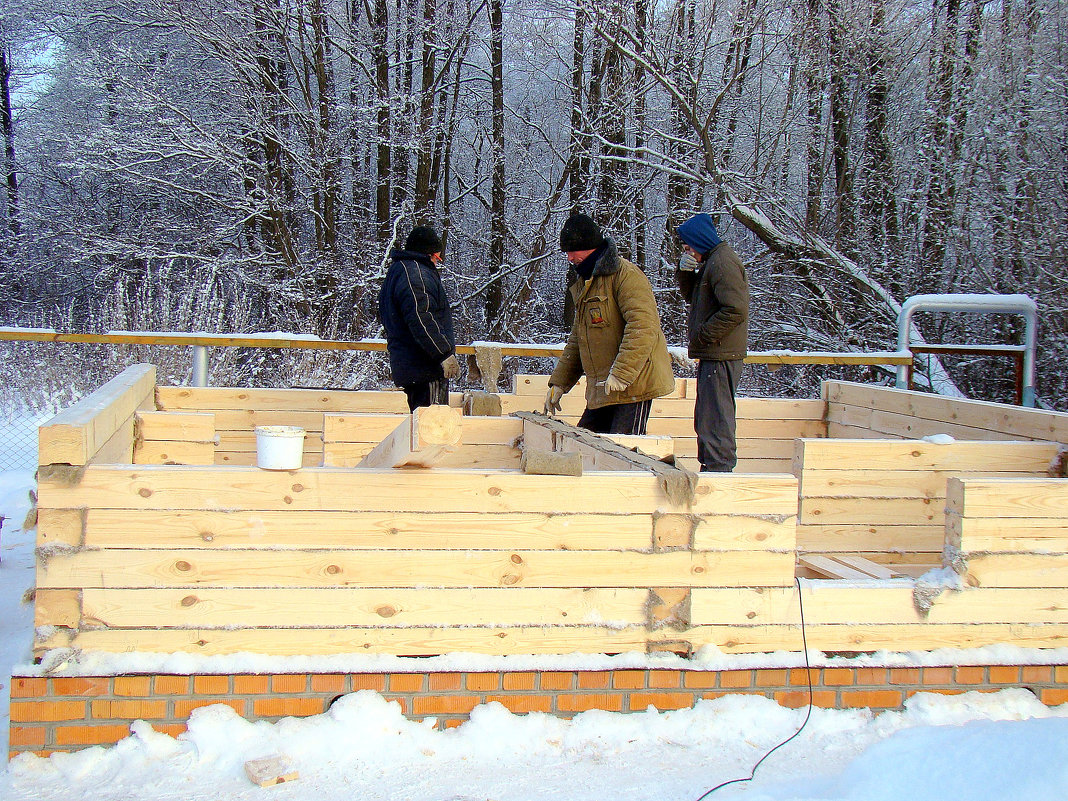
(616, 340)
(414, 311)
(713, 281)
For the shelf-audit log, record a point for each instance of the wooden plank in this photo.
(1016, 570)
(874, 637)
(839, 602)
(60, 607)
(872, 511)
(746, 429)
(831, 568)
(407, 568)
(862, 483)
(409, 641)
(235, 488)
(851, 454)
(172, 426)
(1008, 497)
(734, 532)
(781, 450)
(159, 452)
(61, 527)
(867, 566)
(538, 385)
(419, 441)
(846, 538)
(373, 428)
(657, 447)
(1005, 535)
(918, 427)
(475, 457)
(1018, 421)
(132, 528)
(304, 608)
(243, 399)
(74, 435)
(120, 446)
(248, 458)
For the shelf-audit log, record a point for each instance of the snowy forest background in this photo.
(222, 166)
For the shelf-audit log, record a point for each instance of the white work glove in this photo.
(613, 384)
(687, 263)
(552, 400)
(450, 367)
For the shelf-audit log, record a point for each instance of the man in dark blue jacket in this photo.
(414, 310)
(713, 281)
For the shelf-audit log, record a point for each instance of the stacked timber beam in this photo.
(860, 410)
(885, 500)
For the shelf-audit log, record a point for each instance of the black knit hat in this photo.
(423, 239)
(580, 232)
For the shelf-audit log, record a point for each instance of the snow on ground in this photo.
(971, 747)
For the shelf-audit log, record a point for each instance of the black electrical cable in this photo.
(808, 713)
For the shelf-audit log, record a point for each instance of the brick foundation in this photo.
(68, 713)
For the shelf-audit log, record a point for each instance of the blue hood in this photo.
(699, 232)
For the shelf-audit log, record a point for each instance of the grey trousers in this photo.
(714, 414)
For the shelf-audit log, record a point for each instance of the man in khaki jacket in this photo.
(616, 340)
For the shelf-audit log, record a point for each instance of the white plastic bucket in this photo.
(279, 447)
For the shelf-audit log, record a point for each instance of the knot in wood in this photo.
(333, 570)
(183, 566)
(207, 536)
(189, 600)
(509, 579)
(144, 492)
(517, 559)
(386, 611)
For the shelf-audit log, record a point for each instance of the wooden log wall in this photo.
(324, 560)
(238, 411)
(863, 411)
(767, 427)
(1008, 533)
(885, 500)
(99, 428)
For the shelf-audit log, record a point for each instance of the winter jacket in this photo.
(616, 329)
(718, 294)
(414, 310)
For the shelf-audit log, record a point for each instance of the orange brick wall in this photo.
(66, 714)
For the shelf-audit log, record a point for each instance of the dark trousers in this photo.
(427, 393)
(714, 414)
(617, 418)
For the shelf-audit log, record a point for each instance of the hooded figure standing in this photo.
(414, 310)
(616, 340)
(713, 281)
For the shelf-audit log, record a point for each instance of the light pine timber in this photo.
(538, 385)
(1016, 570)
(839, 454)
(61, 527)
(916, 428)
(420, 568)
(303, 608)
(1006, 535)
(409, 641)
(890, 637)
(233, 488)
(780, 450)
(373, 428)
(464, 456)
(249, 458)
(74, 435)
(420, 440)
(243, 399)
(1008, 497)
(863, 483)
(842, 602)
(828, 567)
(872, 511)
(870, 537)
(746, 429)
(176, 426)
(61, 607)
(147, 528)
(156, 452)
(1014, 420)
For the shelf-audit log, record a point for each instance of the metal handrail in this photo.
(989, 304)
